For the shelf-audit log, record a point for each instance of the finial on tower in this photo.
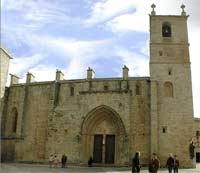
(153, 11)
(183, 12)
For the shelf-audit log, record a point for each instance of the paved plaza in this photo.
(33, 168)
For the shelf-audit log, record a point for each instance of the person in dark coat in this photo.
(64, 160)
(90, 161)
(170, 163)
(154, 164)
(136, 163)
(176, 164)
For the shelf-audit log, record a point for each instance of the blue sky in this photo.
(71, 35)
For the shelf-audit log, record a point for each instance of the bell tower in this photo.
(171, 88)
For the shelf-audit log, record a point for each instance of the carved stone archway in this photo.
(104, 121)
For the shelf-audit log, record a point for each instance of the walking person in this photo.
(170, 163)
(136, 163)
(176, 164)
(90, 161)
(64, 160)
(51, 158)
(56, 161)
(154, 164)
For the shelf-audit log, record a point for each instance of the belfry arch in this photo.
(103, 128)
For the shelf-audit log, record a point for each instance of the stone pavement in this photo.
(33, 168)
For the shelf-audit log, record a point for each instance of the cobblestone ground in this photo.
(33, 168)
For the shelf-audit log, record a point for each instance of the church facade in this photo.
(107, 118)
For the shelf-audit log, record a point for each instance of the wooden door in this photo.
(97, 153)
(110, 149)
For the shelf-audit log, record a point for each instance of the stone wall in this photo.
(33, 103)
(50, 118)
(72, 110)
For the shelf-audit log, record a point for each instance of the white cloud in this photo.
(77, 55)
(22, 64)
(80, 53)
(44, 72)
(126, 22)
(108, 9)
(34, 14)
(137, 63)
(75, 48)
(132, 21)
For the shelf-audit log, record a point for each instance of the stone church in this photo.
(106, 118)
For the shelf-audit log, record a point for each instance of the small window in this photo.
(160, 53)
(106, 87)
(170, 72)
(166, 29)
(168, 89)
(138, 89)
(71, 91)
(164, 129)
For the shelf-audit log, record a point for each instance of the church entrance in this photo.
(103, 137)
(104, 149)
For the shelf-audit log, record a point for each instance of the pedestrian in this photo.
(154, 164)
(136, 163)
(64, 160)
(51, 158)
(170, 163)
(56, 161)
(90, 161)
(176, 164)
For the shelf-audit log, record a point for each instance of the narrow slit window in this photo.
(14, 120)
(164, 129)
(138, 89)
(71, 91)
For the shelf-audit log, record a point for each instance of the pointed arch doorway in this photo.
(103, 135)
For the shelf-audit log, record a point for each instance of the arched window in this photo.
(168, 89)
(166, 29)
(14, 117)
